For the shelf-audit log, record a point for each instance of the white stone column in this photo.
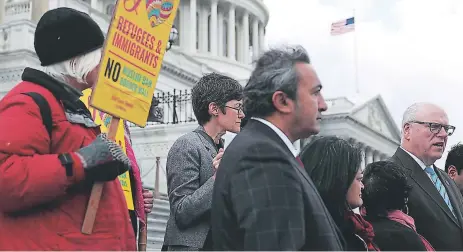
(220, 34)
(192, 27)
(261, 38)
(182, 20)
(376, 156)
(213, 34)
(245, 37)
(203, 27)
(239, 41)
(2, 10)
(39, 7)
(368, 156)
(255, 38)
(94, 4)
(361, 146)
(231, 33)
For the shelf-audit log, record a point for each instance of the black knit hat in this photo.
(65, 33)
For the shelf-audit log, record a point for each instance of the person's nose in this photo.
(241, 114)
(322, 106)
(442, 133)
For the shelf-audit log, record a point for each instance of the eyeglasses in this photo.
(436, 127)
(238, 109)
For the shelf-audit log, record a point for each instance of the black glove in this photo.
(103, 159)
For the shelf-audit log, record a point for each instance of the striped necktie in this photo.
(440, 187)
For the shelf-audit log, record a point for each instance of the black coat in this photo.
(264, 200)
(393, 236)
(433, 218)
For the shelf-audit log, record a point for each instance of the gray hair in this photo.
(76, 68)
(274, 71)
(410, 112)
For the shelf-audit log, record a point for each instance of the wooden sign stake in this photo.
(97, 189)
(143, 237)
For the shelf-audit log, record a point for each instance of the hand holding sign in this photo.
(129, 69)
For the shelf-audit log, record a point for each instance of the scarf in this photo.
(408, 221)
(139, 204)
(362, 228)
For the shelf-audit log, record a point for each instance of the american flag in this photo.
(343, 26)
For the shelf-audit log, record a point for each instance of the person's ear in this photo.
(213, 109)
(406, 131)
(452, 171)
(282, 102)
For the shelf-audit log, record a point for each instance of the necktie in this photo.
(299, 161)
(440, 187)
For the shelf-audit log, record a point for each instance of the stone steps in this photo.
(157, 221)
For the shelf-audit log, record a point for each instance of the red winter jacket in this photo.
(40, 207)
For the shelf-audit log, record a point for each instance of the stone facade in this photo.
(214, 36)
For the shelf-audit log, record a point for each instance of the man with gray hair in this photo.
(263, 198)
(435, 202)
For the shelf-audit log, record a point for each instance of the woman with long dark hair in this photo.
(335, 168)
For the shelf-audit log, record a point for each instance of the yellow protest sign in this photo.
(104, 119)
(131, 63)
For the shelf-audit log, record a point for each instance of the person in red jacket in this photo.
(46, 177)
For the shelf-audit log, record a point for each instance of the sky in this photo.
(407, 51)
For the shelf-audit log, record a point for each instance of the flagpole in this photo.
(357, 88)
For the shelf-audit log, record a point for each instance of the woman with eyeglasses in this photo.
(194, 158)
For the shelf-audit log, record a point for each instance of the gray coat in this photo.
(189, 184)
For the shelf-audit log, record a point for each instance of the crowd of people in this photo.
(262, 194)
(258, 194)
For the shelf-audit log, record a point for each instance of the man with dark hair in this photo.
(263, 198)
(194, 158)
(454, 164)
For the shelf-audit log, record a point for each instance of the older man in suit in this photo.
(193, 159)
(263, 198)
(435, 201)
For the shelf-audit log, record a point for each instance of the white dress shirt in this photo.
(280, 134)
(418, 161)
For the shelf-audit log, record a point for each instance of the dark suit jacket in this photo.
(433, 218)
(189, 184)
(393, 236)
(264, 200)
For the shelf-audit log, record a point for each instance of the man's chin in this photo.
(436, 157)
(235, 129)
(316, 129)
(310, 132)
